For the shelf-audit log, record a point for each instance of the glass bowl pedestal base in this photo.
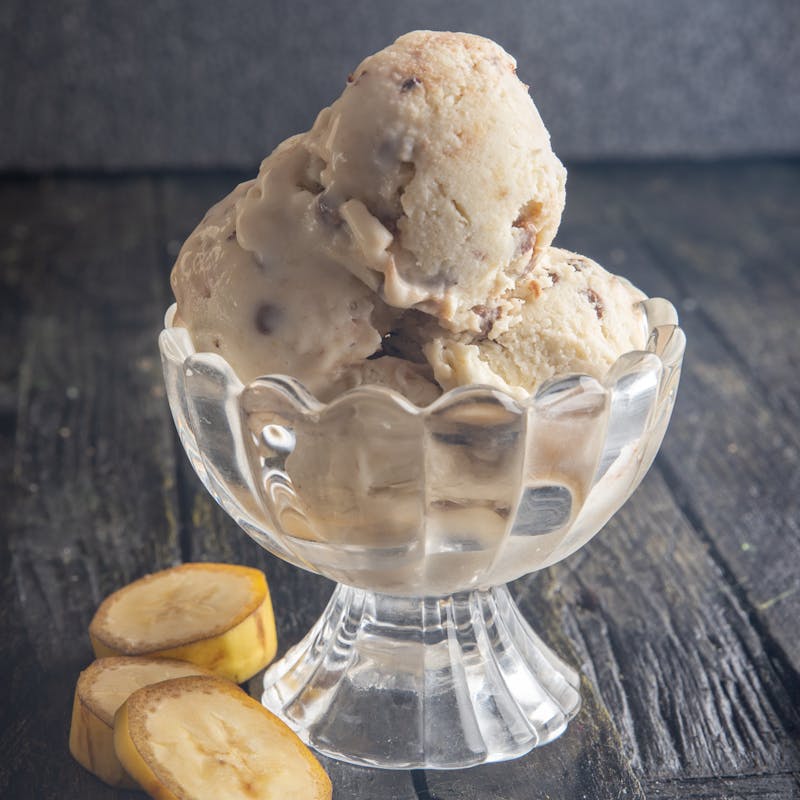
(435, 682)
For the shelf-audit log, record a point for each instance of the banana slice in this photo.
(102, 688)
(216, 615)
(204, 738)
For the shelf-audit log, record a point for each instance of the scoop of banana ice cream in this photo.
(431, 179)
(272, 310)
(575, 317)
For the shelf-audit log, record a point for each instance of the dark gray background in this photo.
(120, 84)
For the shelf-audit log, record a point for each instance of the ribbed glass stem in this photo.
(401, 682)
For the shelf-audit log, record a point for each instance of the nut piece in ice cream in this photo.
(218, 616)
(575, 317)
(102, 688)
(431, 179)
(198, 738)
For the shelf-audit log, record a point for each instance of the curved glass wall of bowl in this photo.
(422, 515)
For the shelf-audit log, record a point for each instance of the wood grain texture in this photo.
(671, 648)
(685, 633)
(708, 238)
(744, 787)
(89, 503)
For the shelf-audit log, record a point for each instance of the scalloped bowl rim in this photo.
(314, 406)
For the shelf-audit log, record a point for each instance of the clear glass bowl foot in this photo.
(408, 682)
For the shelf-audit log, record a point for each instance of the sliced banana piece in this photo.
(216, 615)
(203, 738)
(102, 688)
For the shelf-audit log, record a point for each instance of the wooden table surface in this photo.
(683, 613)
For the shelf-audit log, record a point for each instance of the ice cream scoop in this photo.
(575, 317)
(431, 179)
(275, 311)
(405, 241)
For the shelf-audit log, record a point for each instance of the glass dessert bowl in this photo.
(422, 515)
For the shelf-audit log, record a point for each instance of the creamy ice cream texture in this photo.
(405, 240)
(276, 311)
(575, 318)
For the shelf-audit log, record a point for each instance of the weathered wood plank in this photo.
(684, 637)
(733, 450)
(670, 646)
(740, 787)
(90, 500)
(730, 231)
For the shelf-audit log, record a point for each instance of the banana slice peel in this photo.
(202, 738)
(217, 616)
(102, 688)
